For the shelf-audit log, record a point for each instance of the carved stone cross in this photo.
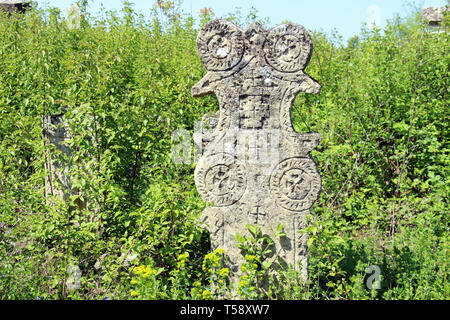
(254, 168)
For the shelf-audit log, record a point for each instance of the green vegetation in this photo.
(384, 160)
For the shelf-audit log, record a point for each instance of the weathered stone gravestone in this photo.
(57, 181)
(255, 168)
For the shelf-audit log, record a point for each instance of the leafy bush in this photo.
(130, 223)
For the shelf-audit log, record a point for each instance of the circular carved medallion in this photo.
(288, 48)
(220, 179)
(295, 183)
(220, 45)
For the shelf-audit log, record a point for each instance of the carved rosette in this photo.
(220, 179)
(288, 48)
(220, 45)
(295, 184)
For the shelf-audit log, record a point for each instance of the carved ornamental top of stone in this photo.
(280, 54)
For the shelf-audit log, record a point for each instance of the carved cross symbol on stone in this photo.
(222, 180)
(254, 149)
(265, 165)
(294, 182)
(220, 46)
(257, 214)
(287, 47)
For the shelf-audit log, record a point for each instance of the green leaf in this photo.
(280, 227)
(266, 264)
(253, 230)
(280, 231)
(239, 238)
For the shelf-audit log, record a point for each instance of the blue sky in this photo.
(346, 16)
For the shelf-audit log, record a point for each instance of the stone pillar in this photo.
(254, 167)
(14, 5)
(56, 132)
